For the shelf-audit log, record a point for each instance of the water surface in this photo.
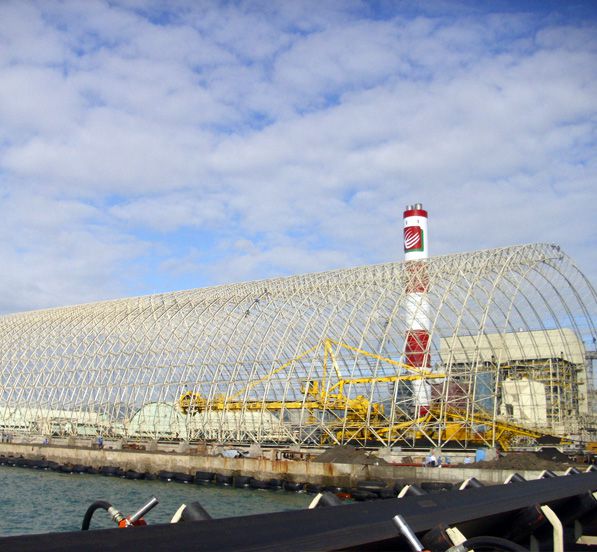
(34, 501)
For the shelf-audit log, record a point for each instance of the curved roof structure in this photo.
(317, 358)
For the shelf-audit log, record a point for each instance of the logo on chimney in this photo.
(413, 239)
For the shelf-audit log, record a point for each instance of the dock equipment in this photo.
(361, 420)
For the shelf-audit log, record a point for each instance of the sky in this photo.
(149, 146)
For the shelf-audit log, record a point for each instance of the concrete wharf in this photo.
(269, 465)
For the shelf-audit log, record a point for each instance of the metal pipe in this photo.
(143, 510)
(407, 533)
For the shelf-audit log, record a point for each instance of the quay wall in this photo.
(261, 468)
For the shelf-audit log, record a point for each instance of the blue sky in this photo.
(152, 146)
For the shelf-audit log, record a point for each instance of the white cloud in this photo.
(58, 252)
(172, 212)
(236, 141)
(26, 38)
(279, 260)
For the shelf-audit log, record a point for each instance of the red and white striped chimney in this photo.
(416, 253)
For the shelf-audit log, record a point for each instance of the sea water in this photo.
(33, 501)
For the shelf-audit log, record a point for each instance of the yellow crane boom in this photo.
(317, 395)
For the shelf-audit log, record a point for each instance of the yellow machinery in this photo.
(456, 425)
(318, 395)
(360, 420)
(357, 415)
(453, 426)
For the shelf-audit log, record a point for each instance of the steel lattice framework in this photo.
(317, 358)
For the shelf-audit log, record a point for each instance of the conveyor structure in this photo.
(556, 513)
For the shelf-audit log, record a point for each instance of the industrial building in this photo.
(484, 348)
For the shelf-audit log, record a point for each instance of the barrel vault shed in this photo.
(316, 359)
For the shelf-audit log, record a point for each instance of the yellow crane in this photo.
(317, 395)
(358, 418)
(458, 427)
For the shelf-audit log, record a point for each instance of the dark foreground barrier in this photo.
(555, 511)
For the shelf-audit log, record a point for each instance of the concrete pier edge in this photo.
(302, 471)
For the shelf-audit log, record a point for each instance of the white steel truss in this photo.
(317, 358)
